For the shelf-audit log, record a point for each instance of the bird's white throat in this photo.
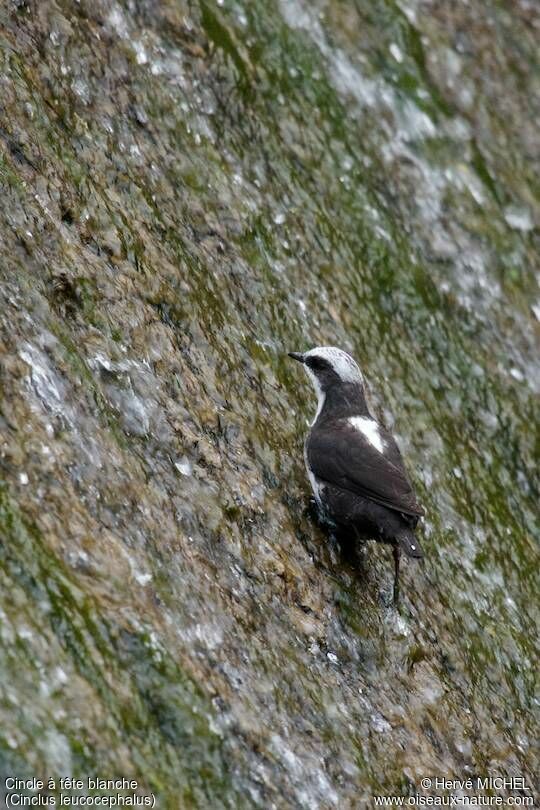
(321, 396)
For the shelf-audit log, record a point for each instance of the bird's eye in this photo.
(316, 363)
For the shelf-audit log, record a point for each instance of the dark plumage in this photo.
(353, 462)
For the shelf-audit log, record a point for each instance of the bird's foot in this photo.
(388, 598)
(313, 511)
(319, 516)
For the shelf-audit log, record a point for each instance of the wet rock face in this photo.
(189, 190)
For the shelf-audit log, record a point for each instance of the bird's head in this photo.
(327, 367)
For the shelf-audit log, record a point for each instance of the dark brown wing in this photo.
(342, 456)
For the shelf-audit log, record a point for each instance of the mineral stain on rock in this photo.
(188, 190)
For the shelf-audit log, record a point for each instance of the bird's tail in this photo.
(408, 543)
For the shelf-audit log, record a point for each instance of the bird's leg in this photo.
(397, 554)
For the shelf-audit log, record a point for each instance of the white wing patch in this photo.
(370, 429)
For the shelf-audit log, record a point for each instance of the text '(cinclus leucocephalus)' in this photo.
(353, 463)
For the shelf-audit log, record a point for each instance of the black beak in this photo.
(296, 356)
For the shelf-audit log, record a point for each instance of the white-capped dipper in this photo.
(354, 465)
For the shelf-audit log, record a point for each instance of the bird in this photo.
(354, 465)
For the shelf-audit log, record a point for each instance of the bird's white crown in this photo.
(343, 364)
